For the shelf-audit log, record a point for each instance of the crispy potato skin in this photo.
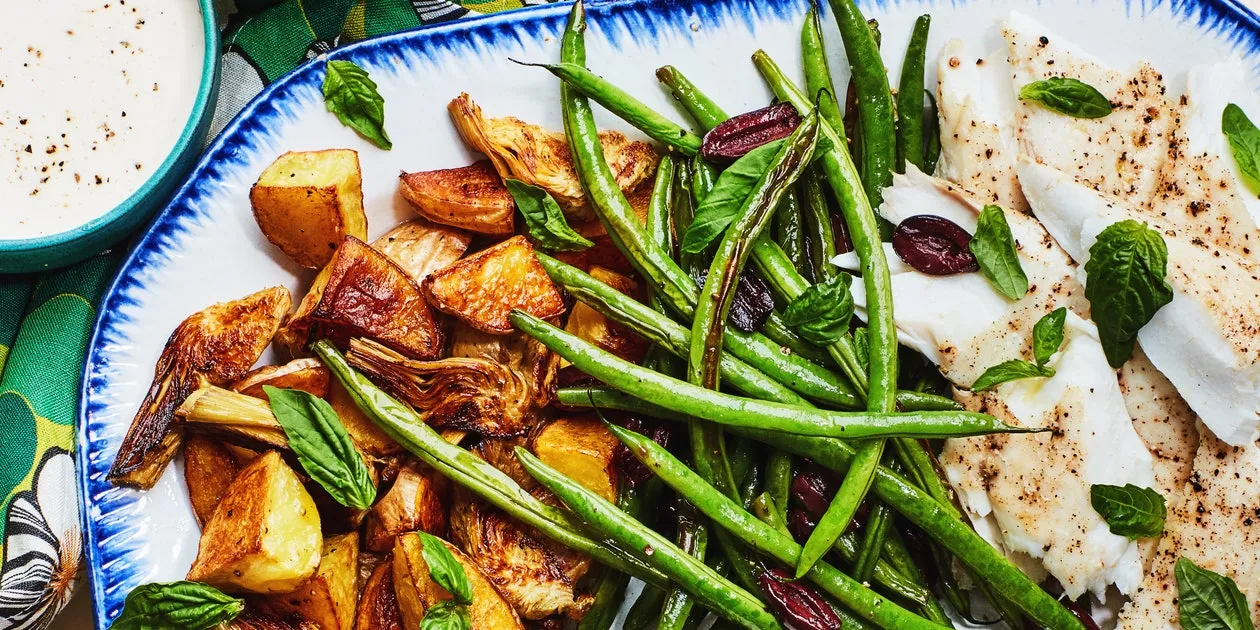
(472, 197)
(264, 536)
(536, 576)
(307, 201)
(418, 500)
(589, 324)
(420, 247)
(217, 345)
(582, 449)
(378, 605)
(328, 598)
(308, 375)
(365, 294)
(483, 288)
(255, 619)
(416, 592)
(209, 469)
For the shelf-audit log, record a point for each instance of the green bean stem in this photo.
(874, 99)
(733, 602)
(818, 74)
(705, 112)
(910, 146)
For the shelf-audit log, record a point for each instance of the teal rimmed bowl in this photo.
(71, 246)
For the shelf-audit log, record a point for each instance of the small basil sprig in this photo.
(1067, 96)
(544, 218)
(322, 446)
(1130, 511)
(184, 605)
(1208, 600)
(822, 312)
(351, 95)
(1244, 144)
(1047, 337)
(994, 249)
(1125, 285)
(448, 573)
(723, 203)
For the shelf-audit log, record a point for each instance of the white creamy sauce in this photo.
(93, 96)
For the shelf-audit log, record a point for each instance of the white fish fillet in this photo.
(1034, 487)
(1207, 340)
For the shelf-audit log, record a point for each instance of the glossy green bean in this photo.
(874, 99)
(853, 488)
(704, 111)
(816, 218)
(646, 610)
(910, 126)
(897, 555)
(789, 232)
(779, 481)
(932, 133)
(693, 539)
(818, 74)
(701, 581)
(732, 517)
(611, 587)
(878, 520)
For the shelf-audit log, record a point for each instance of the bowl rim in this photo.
(202, 105)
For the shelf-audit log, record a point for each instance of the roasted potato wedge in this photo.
(327, 598)
(255, 619)
(264, 536)
(501, 453)
(378, 604)
(365, 294)
(535, 575)
(639, 199)
(416, 592)
(418, 500)
(603, 253)
(483, 288)
(589, 324)
(306, 202)
(541, 157)
(582, 449)
(308, 375)
(209, 469)
(217, 346)
(472, 197)
(370, 439)
(421, 248)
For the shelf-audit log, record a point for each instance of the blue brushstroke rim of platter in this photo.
(621, 20)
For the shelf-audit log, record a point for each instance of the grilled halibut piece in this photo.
(472, 197)
(541, 157)
(416, 591)
(217, 346)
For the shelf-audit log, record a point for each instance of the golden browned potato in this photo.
(217, 345)
(307, 201)
(327, 598)
(589, 324)
(472, 197)
(264, 536)
(416, 592)
(421, 248)
(370, 439)
(541, 157)
(483, 288)
(417, 501)
(582, 449)
(378, 605)
(537, 576)
(255, 619)
(209, 468)
(363, 293)
(308, 375)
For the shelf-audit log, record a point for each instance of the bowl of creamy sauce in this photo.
(104, 106)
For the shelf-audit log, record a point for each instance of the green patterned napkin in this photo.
(46, 321)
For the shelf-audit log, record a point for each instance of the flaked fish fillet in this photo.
(1033, 488)
(1207, 340)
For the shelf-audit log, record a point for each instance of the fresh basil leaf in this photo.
(1007, 371)
(184, 605)
(322, 446)
(1125, 284)
(1067, 96)
(1208, 600)
(822, 312)
(544, 218)
(723, 203)
(1048, 335)
(351, 94)
(862, 345)
(1131, 511)
(994, 249)
(444, 569)
(446, 615)
(1244, 144)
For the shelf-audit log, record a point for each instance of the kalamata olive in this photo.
(796, 603)
(800, 524)
(934, 245)
(631, 468)
(740, 134)
(752, 304)
(812, 492)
